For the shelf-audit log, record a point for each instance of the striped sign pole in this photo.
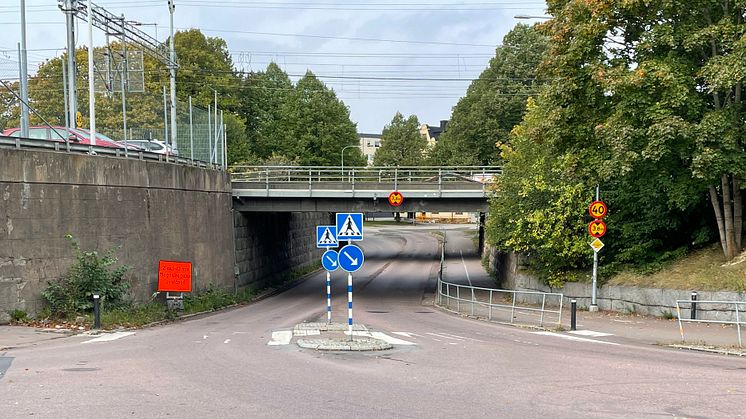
(328, 298)
(349, 304)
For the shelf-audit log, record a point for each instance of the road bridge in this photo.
(362, 189)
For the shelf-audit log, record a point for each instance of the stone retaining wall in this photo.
(512, 275)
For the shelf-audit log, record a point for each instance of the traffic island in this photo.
(333, 337)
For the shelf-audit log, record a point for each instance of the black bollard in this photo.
(573, 315)
(693, 311)
(96, 311)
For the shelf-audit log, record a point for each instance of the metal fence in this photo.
(509, 306)
(380, 174)
(736, 307)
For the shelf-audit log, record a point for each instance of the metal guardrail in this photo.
(486, 302)
(311, 179)
(735, 304)
(70, 147)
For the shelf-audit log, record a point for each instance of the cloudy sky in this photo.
(380, 56)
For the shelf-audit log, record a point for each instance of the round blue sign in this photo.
(329, 260)
(351, 258)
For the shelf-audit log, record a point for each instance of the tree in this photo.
(401, 143)
(321, 125)
(494, 103)
(637, 102)
(268, 108)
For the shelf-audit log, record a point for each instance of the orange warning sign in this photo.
(174, 276)
(396, 199)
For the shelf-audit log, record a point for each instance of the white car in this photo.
(154, 146)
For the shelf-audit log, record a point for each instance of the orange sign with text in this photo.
(174, 276)
(396, 199)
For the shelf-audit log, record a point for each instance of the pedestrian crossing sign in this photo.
(326, 236)
(349, 226)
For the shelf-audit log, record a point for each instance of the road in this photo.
(221, 365)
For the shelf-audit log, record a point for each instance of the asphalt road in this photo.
(222, 366)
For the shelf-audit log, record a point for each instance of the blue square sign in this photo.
(349, 226)
(326, 236)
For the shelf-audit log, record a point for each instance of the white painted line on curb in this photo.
(282, 337)
(590, 333)
(568, 337)
(381, 336)
(110, 337)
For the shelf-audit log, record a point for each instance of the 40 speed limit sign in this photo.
(598, 210)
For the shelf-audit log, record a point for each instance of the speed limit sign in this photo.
(598, 210)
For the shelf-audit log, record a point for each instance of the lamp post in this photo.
(343, 158)
(531, 17)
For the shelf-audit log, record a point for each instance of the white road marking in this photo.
(110, 337)
(467, 271)
(444, 336)
(240, 333)
(460, 337)
(281, 337)
(204, 336)
(568, 337)
(452, 343)
(227, 341)
(407, 334)
(590, 333)
(381, 336)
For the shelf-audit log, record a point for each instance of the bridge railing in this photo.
(352, 175)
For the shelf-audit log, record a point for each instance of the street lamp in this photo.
(531, 17)
(343, 157)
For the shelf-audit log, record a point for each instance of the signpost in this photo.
(329, 260)
(349, 226)
(596, 229)
(396, 199)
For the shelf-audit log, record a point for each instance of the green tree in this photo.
(321, 125)
(268, 107)
(494, 103)
(401, 143)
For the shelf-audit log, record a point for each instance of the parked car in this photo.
(154, 146)
(74, 135)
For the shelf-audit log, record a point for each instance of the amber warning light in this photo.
(174, 276)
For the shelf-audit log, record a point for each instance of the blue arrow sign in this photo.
(329, 260)
(326, 236)
(349, 226)
(351, 258)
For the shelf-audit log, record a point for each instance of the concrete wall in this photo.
(151, 210)
(511, 272)
(271, 245)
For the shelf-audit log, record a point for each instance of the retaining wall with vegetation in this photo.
(512, 274)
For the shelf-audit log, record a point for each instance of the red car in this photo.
(74, 135)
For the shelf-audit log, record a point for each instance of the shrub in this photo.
(18, 316)
(91, 273)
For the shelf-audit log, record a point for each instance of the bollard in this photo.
(96, 311)
(693, 311)
(573, 314)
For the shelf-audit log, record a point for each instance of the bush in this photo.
(90, 274)
(18, 316)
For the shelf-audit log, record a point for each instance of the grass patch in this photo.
(701, 270)
(136, 315)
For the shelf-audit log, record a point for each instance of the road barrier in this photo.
(722, 308)
(511, 306)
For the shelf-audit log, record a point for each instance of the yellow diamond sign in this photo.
(596, 244)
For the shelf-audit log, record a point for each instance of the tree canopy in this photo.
(401, 143)
(643, 98)
(494, 103)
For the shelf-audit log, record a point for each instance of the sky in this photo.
(380, 56)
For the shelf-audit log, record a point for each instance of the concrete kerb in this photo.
(335, 340)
